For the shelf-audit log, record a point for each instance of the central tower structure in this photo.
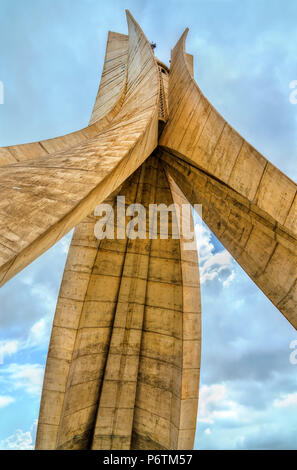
(124, 358)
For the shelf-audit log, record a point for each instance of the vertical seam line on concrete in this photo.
(93, 434)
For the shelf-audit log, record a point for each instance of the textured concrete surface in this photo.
(124, 358)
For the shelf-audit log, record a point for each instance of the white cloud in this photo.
(7, 348)
(208, 397)
(20, 440)
(213, 265)
(214, 404)
(203, 238)
(38, 336)
(38, 333)
(287, 400)
(38, 329)
(5, 401)
(207, 431)
(26, 376)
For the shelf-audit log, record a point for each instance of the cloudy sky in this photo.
(52, 53)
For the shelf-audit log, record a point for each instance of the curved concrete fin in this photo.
(42, 199)
(112, 88)
(250, 205)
